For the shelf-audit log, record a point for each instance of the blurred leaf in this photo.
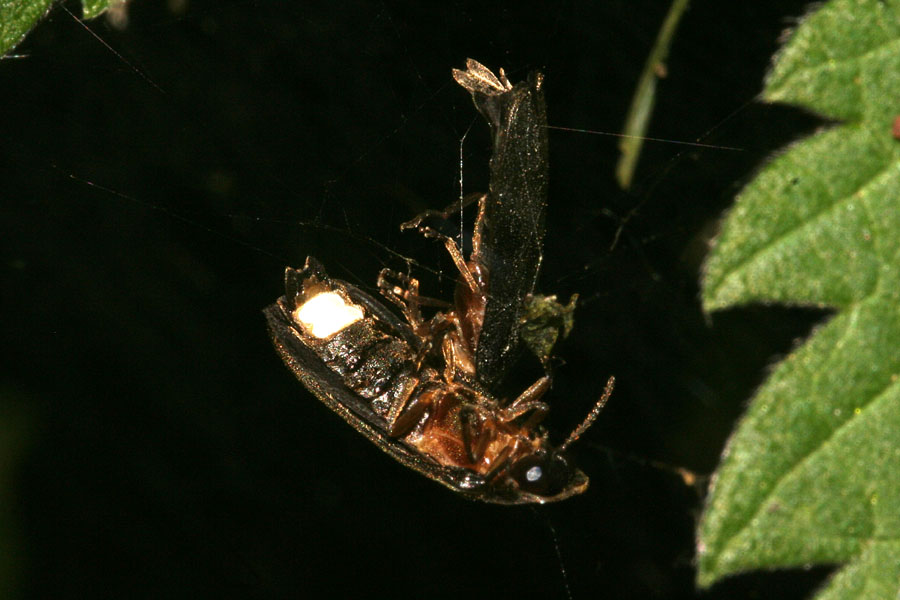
(639, 112)
(545, 321)
(812, 474)
(94, 8)
(17, 17)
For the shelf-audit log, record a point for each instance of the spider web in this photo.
(159, 179)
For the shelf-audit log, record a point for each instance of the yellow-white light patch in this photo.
(326, 313)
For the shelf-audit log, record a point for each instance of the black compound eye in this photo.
(543, 474)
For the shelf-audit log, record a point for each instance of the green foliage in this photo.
(17, 17)
(545, 321)
(812, 474)
(638, 119)
(95, 8)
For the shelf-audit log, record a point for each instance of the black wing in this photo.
(510, 230)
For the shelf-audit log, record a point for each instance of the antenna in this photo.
(592, 416)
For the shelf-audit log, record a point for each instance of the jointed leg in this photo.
(403, 291)
(455, 253)
(445, 214)
(529, 400)
(449, 243)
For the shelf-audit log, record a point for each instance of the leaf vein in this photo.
(837, 203)
(832, 64)
(803, 460)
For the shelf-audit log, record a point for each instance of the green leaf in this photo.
(545, 321)
(812, 474)
(17, 17)
(638, 119)
(95, 8)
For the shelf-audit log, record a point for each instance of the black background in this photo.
(154, 189)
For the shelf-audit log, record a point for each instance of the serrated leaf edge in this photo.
(713, 304)
(874, 399)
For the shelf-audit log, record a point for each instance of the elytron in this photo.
(423, 389)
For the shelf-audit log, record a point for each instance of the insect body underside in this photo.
(422, 389)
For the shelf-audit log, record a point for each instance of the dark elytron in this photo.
(421, 388)
(510, 228)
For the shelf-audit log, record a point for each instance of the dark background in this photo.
(154, 189)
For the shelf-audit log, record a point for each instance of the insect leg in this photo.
(457, 256)
(406, 412)
(529, 400)
(445, 214)
(500, 464)
(469, 435)
(403, 291)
